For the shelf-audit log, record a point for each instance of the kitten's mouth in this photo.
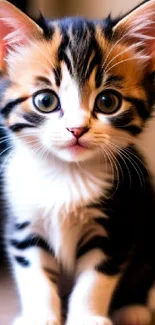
(78, 144)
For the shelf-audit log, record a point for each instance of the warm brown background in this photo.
(88, 8)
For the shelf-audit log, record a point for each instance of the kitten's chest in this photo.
(55, 202)
(45, 191)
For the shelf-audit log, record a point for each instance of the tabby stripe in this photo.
(21, 226)
(58, 76)
(43, 80)
(84, 238)
(115, 80)
(33, 118)
(133, 129)
(122, 119)
(104, 222)
(95, 61)
(22, 261)
(51, 271)
(6, 110)
(140, 106)
(20, 126)
(31, 241)
(53, 275)
(62, 56)
(98, 76)
(99, 242)
(68, 62)
(109, 267)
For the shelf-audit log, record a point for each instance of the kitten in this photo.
(75, 97)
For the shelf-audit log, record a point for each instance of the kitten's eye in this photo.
(46, 101)
(108, 102)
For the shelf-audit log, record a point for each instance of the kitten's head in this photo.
(76, 88)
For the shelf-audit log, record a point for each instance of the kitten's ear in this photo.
(138, 27)
(15, 28)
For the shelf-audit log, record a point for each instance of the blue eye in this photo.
(46, 101)
(108, 102)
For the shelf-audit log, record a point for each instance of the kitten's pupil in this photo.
(106, 101)
(46, 101)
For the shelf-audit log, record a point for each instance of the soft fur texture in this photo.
(76, 95)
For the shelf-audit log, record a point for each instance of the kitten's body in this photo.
(81, 200)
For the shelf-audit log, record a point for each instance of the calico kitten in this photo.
(75, 96)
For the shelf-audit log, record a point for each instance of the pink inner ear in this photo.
(4, 30)
(139, 28)
(15, 28)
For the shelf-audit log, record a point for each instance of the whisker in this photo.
(5, 162)
(131, 47)
(41, 51)
(118, 163)
(3, 128)
(113, 47)
(120, 62)
(117, 149)
(131, 153)
(4, 140)
(136, 167)
(6, 149)
(133, 163)
(114, 165)
(108, 155)
(43, 65)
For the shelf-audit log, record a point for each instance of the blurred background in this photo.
(87, 8)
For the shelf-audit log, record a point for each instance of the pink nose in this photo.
(78, 132)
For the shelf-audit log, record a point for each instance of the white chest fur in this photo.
(53, 195)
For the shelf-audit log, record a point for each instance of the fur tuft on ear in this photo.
(15, 28)
(138, 27)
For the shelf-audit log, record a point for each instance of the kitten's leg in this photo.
(36, 273)
(91, 296)
(132, 315)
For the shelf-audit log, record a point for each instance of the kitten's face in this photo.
(77, 94)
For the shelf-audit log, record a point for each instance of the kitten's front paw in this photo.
(90, 320)
(38, 321)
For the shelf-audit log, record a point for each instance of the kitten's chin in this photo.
(75, 154)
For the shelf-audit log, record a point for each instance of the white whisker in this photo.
(112, 48)
(41, 51)
(123, 61)
(5, 162)
(117, 149)
(131, 47)
(133, 163)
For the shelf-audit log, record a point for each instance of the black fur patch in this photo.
(21, 226)
(48, 30)
(99, 242)
(34, 118)
(6, 110)
(31, 241)
(140, 107)
(20, 126)
(22, 261)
